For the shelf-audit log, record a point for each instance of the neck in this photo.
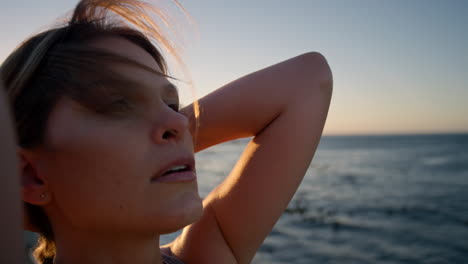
(93, 249)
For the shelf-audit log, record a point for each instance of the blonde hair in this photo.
(58, 62)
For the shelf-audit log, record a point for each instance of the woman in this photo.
(106, 155)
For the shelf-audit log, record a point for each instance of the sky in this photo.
(398, 66)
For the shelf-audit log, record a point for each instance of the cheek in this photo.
(94, 173)
(93, 156)
(91, 182)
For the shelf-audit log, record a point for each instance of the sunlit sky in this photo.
(398, 66)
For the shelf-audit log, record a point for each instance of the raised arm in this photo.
(11, 240)
(284, 107)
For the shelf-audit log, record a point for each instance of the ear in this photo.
(34, 187)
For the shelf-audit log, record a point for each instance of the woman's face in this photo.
(101, 168)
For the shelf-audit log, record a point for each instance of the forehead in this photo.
(144, 78)
(127, 49)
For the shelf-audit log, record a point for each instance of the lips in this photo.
(178, 170)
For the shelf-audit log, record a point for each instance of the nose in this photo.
(170, 128)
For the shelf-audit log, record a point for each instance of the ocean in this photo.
(366, 199)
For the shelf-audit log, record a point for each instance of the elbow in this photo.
(317, 72)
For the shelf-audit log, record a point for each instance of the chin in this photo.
(185, 213)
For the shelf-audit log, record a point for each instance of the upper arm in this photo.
(244, 208)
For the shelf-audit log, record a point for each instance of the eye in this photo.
(174, 107)
(121, 104)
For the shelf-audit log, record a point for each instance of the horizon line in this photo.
(370, 134)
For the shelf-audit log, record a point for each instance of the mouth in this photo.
(179, 170)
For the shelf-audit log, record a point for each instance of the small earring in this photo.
(43, 195)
